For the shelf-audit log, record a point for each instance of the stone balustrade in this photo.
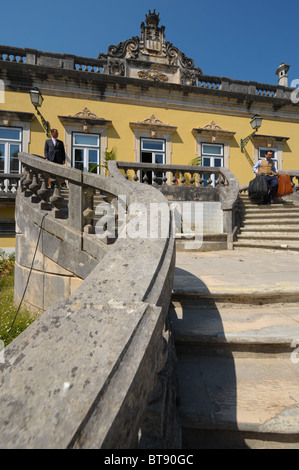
(98, 66)
(9, 184)
(82, 374)
(189, 183)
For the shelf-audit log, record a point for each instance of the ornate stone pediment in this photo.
(85, 114)
(84, 118)
(153, 124)
(212, 131)
(213, 127)
(152, 120)
(129, 57)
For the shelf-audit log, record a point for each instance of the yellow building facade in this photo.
(146, 100)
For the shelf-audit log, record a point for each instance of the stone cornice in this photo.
(269, 138)
(15, 115)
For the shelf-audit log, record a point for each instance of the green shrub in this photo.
(8, 308)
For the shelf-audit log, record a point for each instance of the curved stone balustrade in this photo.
(82, 374)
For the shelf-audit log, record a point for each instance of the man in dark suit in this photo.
(54, 148)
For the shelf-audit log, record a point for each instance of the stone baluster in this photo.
(57, 200)
(44, 192)
(174, 178)
(23, 178)
(192, 179)
(183, 178)
(9, 185)
(200, 179)
(2, 185)
(136, 178)
(210, 180)
(27, 182)
(14, 184)
(145, 177)
(88, 212)
(164, 177)
(34, 187)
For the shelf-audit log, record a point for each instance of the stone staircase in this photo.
(238, 383)
(272, 226)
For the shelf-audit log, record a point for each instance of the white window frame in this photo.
(203, 139)
(78, 128)
(275, 156)
(212, 157)
(153, 152)
(86, 149)
(7, 142)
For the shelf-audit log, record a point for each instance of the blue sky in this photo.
(235, 39)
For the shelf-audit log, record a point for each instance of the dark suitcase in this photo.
(258, 189)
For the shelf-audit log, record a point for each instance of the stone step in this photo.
(270, 235)
(291, 245)
(239, 402)
(275, 221)
(269, 228)
(236, 331)
(268, 214)
(242, 330)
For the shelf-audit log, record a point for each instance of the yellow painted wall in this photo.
(7, 242)
(121, 136)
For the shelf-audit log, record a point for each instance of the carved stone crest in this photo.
(116, 67)
(153, 75)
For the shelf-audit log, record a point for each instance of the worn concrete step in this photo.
(274, 221)
(268, 235)
(248, 203)
(198, 291)
(239, 402)
(267, 214)
(267, 207)
(291, 245)
(269, 228)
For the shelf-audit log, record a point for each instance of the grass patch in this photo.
(8, 308)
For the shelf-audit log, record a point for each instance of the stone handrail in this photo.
(226, 184)
(100, 65)
(81, 375)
